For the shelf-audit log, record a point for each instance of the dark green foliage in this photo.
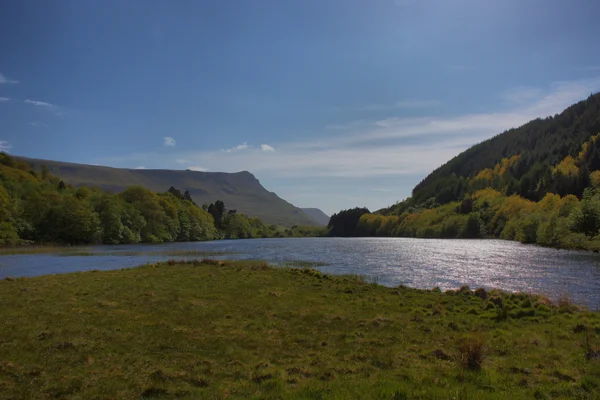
(540, 143)
(345, 222)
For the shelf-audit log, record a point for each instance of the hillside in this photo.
(540, 144)
(317, 215)
(240, 191)
(539, 183)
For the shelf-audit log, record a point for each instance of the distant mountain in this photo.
(240, 191)
(317, 215)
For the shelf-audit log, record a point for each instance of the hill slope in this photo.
(540, 144)
(240, 191)
(317, 215)
(539, 183)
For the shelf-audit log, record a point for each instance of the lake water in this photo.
(421, 263)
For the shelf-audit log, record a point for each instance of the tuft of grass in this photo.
(472, 351)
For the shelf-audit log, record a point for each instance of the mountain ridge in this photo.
(240, 191)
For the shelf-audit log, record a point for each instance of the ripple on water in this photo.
(423, 263)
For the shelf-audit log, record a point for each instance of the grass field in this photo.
(246, 330)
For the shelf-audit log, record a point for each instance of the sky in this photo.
(331, 103)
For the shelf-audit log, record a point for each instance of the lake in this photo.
(420, 263)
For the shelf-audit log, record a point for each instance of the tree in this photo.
(345, 223)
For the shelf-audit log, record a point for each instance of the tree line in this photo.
(37, 207)
(561, 208)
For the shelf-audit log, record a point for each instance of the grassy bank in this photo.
(245, 330)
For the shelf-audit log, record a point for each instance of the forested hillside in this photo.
(38, 207)
(241, 191)
(539, 183)
(540, 145)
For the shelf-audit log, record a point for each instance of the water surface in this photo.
(422, 263)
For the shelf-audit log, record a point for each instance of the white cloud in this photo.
(169, 141)
(140, 167)
(197, 168)
(266, 147)
(38, 124)
(182, 161)
(40, 103)
(237, 148)
(389, 147)
(4, 80)
(4, 98)
(4, 146)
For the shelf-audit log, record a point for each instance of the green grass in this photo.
(90, 251)
(183, 253)
(246, 330)
(37, 249)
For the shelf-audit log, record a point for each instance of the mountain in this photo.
(317, 215)
(539, 183)
(239, 191)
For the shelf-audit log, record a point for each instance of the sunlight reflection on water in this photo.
(422, 263)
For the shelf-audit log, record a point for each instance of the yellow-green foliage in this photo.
(487, 175)
(552, 221)
(595, 178)
(505, 164)
(567, 167)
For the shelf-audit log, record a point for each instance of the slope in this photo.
(540, 144)
(539, 183)
(240, 191)
(317, 215)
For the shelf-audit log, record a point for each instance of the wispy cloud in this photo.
(266, 147)
(38, 124)
(39, 103)
(237, 148)
(182, 161)
(197, 168)
(140, 167)
(4, 79)
(169, 141)
(387, 147)
(4, 99)
(4, 146)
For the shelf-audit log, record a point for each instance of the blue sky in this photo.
(331, 104)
